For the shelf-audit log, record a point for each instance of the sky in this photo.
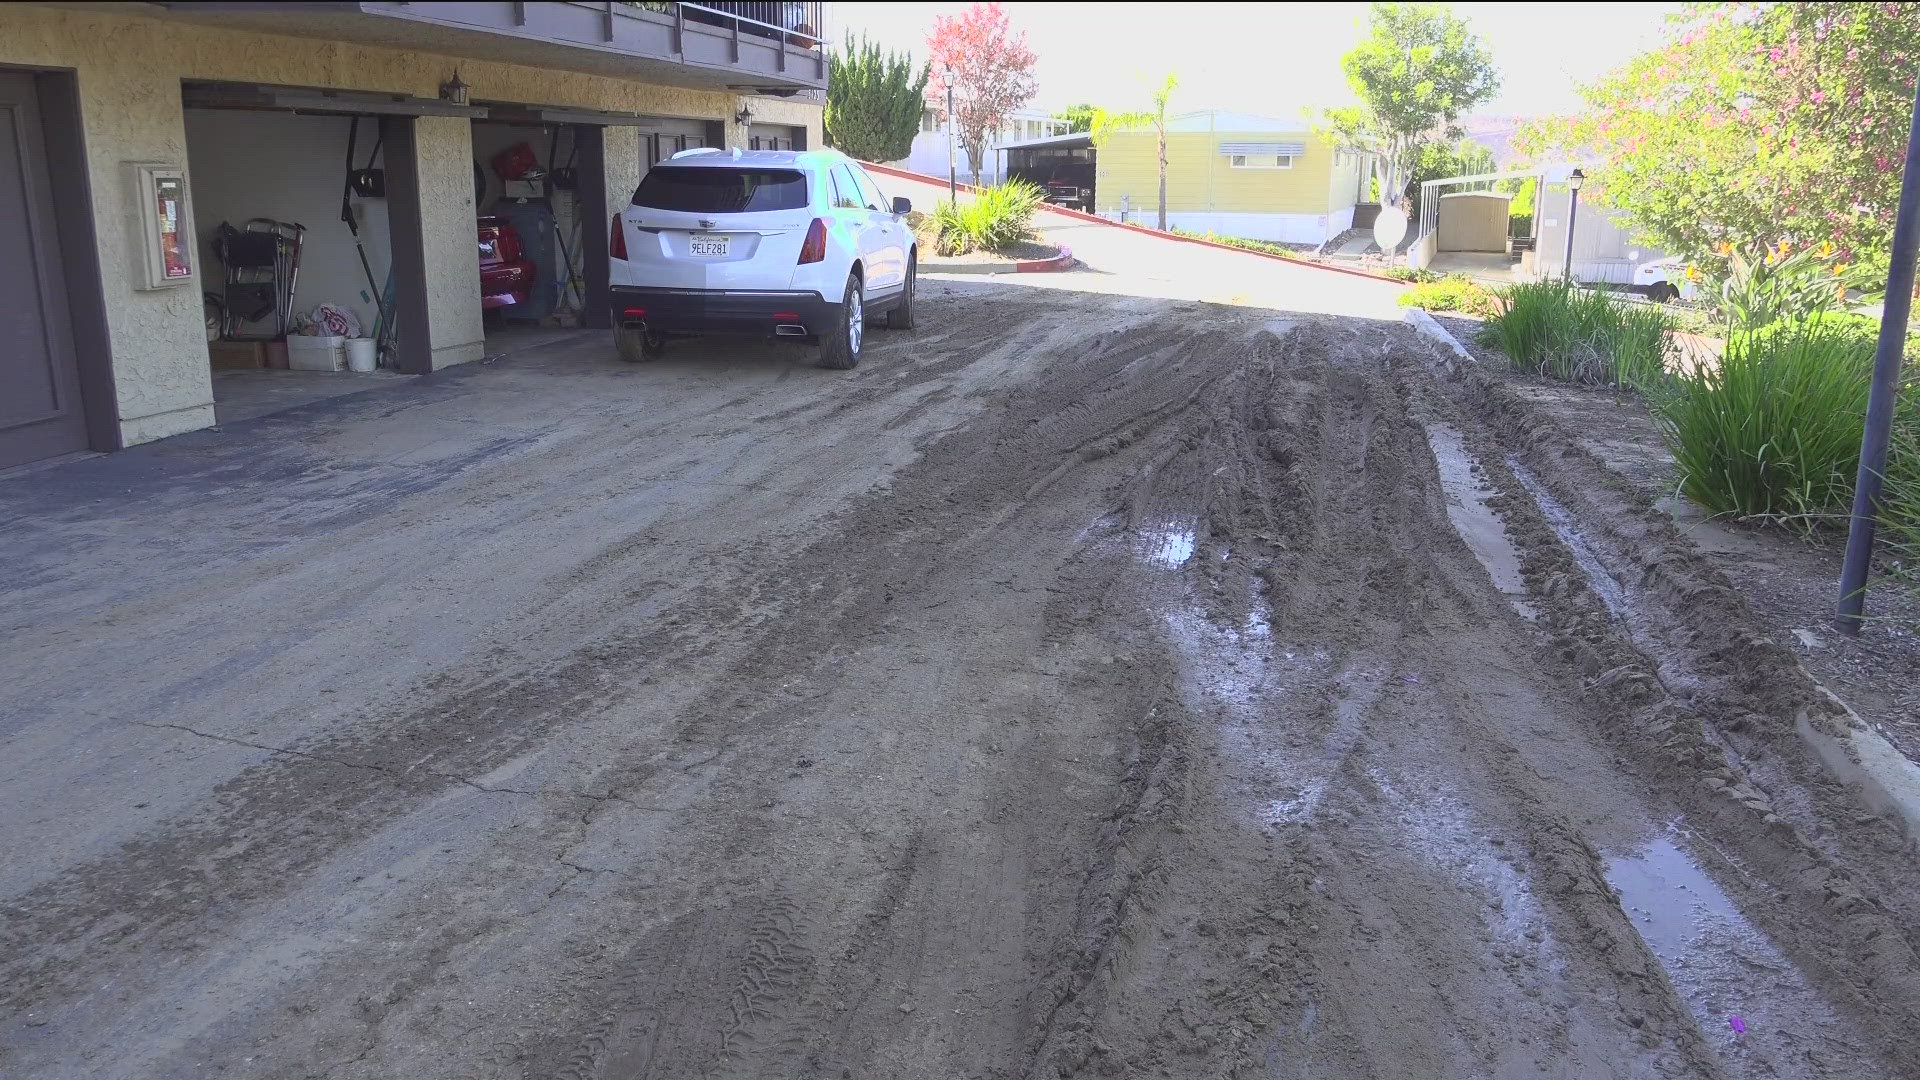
(1275, 59)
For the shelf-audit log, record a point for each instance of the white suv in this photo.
(794, 244)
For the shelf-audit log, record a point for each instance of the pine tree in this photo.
(874, 101)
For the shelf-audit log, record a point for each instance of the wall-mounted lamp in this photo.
(744, 116)
(454, 90)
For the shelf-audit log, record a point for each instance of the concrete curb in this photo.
(904, 174)
(1856, 755)
(1054, 265)
(1428, 327)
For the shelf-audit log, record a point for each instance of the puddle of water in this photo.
(1355, 691)
(1444, 831)
(1279, 776)
(1474, 519)
(1172, 547)
(1561, 519)
(1723, 966)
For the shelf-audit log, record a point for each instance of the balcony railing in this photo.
(799, 24)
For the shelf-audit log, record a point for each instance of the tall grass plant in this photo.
(1773, 430)
(995, 218)
(1556, 329)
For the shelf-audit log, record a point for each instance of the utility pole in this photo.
(1887, 358)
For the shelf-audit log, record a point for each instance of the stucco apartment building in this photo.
(133, 130)
(1235, 174)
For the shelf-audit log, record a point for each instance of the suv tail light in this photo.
(815, 248)
(617, 239)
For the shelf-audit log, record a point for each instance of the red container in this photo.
(505, 273)
(515, 161)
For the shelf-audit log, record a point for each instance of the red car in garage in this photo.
(506, 274)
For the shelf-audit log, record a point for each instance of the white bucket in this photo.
(360, 354)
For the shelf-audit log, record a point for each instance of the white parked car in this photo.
(790, 244)
(1663, 280)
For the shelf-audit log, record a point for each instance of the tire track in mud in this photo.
(1362, 833)
(963, 509)
(995, 781)
(1707, 707)
(1363, 552)
(258, 833)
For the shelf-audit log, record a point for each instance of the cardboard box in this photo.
(236, 355)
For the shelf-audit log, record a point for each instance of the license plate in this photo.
(708, 246)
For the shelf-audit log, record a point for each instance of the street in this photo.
(1163, 669)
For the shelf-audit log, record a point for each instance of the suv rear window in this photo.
(709, 190)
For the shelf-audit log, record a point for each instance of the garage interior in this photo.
(280, 268)
(303, 305)
(531, 228)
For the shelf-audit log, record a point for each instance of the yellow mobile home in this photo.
(1236, 175)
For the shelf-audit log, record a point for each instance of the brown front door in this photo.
(40, 413)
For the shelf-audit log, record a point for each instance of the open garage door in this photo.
(308, 208)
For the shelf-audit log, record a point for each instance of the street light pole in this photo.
(1573, 215)
(953, 168)
(1887, 358)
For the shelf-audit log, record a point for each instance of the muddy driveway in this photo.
(1089, 685)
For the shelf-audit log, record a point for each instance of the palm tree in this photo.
(1105, 123)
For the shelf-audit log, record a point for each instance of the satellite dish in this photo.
(1390, 228)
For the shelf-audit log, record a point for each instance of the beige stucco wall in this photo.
(443, 152)
(129, 70)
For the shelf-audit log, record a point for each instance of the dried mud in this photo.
(1156, 720)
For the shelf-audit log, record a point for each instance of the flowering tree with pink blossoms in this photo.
(991, 68)
(1755, 123)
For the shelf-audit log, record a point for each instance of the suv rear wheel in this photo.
(636, 346)
(901, 317)
(840, 347)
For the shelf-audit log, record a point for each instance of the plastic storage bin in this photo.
(316, 352)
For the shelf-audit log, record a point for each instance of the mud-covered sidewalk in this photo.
(1115, 677)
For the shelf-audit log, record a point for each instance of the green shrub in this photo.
(995, 218)
(1556, 329)
(1772, 431)
(1451, 293)
(1519, 224)
(1265, 247)
(1900, 510)
(1765, 285)
(1417, 275)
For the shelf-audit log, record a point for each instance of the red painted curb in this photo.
(924, 178)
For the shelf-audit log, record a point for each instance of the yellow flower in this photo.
(1839, 268)
(1726, 247)
(1826, 249)
(1693, 272)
